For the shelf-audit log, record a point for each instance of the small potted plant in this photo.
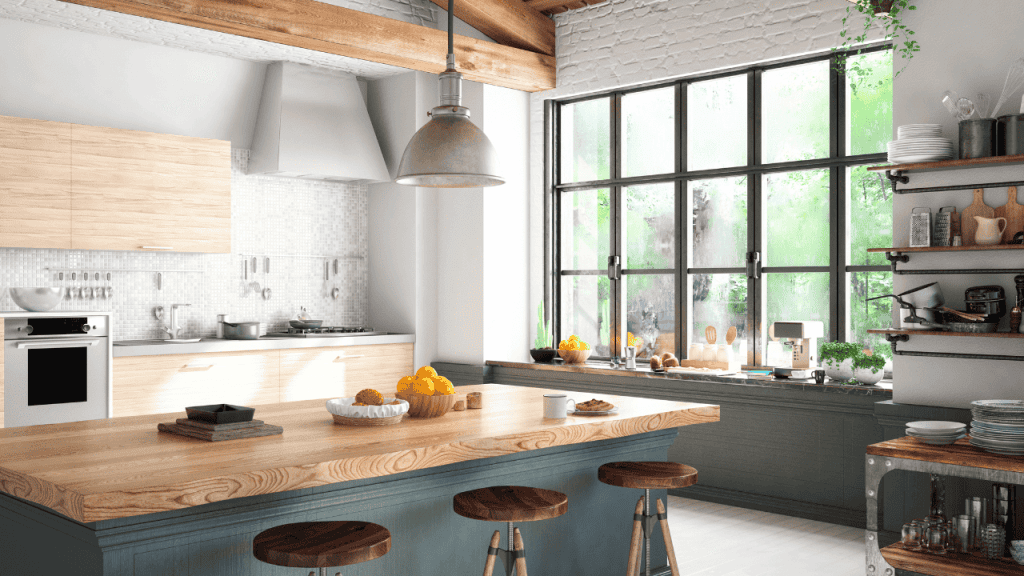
(542, 350)
(868, 368)
(837, 359)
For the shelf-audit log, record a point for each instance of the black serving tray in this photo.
(220, 413)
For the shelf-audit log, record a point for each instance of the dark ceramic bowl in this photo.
(545, 355)
(220, 413)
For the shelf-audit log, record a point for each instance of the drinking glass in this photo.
(912, 536)
(935, 538)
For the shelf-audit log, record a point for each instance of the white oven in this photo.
(56, 369)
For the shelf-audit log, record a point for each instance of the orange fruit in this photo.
(405, 384)
(426, 372)
(443, 386)
(423, 386)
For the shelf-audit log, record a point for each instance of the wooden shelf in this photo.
(973, 564)
(950, 164)
(974, 248)
(943, 333)
(959, 453)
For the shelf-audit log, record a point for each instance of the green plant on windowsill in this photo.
(890, 14)
(873, 363)
(837, 359)
(542, 350)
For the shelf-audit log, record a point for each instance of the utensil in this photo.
(964, 315)
(924, 296)
(267, 293)
(556, 406)
(730, 335)
(968, 224)
(305, 324)
(36, 298)
(920, 227)
(983, 105)
(994, 536)
(949, 99)
(965, 532)
(711, 334)
(989, 233)
(241, 330)
(1014, 82)
(965, 107)
(1013, 213)
(942, 227)
(335, 293)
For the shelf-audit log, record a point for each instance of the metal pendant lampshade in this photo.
(449, 151)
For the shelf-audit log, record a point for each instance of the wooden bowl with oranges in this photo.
(428, 394)
(573, 350)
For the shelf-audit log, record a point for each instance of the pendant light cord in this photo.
(451, 26)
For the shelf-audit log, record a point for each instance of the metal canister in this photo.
(221, 319)
(1010, 135)
(977, 138)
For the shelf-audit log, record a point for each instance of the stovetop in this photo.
(327, 332)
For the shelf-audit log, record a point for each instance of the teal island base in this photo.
(428, 538)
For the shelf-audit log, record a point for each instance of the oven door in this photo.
(53, 380)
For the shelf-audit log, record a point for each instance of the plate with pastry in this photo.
(593, 407)
(367, 408)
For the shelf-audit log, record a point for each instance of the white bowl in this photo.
(37, 298)
(344, 407)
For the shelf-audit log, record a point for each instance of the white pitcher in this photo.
(988, 232)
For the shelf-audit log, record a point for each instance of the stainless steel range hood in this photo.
(313, 124)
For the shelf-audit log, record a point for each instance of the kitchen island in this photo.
(117, 497)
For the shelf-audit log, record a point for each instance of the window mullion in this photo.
(617, 292)
(681, 226)
(838, 286)
(755, 219)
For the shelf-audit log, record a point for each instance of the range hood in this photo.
(313, 124)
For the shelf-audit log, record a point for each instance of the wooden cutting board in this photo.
(211, 436)
(968, 225)
(1014, 214)
(219, 427)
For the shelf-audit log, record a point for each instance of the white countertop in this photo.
(206, 345)
(52, 313)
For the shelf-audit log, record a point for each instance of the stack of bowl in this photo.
(936, 432)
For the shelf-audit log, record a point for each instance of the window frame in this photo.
(837, 163)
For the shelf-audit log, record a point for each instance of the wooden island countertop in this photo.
(107, 469)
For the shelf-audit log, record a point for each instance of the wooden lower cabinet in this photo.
(311, 373)
(1, 372)
(158, 384)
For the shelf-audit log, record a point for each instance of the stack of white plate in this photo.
(998, 426)
(936, 432)
(920, 143)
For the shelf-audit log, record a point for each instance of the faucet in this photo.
(175, 327)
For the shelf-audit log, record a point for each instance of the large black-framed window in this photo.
(737, 198)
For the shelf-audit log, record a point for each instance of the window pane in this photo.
(865, 315)
(585, 311)
(870, 215)
(797, 215)
(801, 297)
(716, 133)
(650, 120)
(584, 227)
(719, 238)
(650, 226)
(719, 300)
(794, 114)
(869, 102)
(651, 311)
(585, 139)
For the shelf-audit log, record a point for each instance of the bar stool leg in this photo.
(647, 536)
(492, 553)
(663, 517)
(520, 559)
(633, 568)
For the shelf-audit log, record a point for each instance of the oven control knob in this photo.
(85, 327)
(28, 329)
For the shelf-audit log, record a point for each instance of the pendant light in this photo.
(449, 151)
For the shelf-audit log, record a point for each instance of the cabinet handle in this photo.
(195, 368)
(342, 358)
(157, 247)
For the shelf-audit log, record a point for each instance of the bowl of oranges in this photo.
(429, 395)
(574, 350)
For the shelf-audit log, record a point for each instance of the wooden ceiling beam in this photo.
(508, 22)
(344, 32)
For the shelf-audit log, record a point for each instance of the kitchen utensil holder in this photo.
(1010, 135)
(977, 138)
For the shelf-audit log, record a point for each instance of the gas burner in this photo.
(328, 331)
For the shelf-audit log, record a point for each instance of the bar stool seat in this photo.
(510, 504)
(321, 544)
(647, 475)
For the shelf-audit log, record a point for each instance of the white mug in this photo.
(555, 405)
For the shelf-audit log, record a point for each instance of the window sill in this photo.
(882, 389)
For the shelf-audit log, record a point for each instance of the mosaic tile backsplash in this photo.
(300, 225)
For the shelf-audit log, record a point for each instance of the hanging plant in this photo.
(887, 13)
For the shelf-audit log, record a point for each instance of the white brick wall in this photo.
(633, 42)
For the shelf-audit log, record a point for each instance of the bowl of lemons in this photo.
(574, 350)
(429, 395)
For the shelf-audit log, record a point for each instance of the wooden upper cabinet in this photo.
(35, 183)
(143, 191)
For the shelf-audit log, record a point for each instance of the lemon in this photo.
(426, 372)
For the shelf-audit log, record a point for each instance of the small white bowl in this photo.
(1018, 556)
(37, 298)
(344, 407)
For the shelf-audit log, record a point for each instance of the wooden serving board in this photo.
(1014, 214)
(968, 225)
(211, 436)
(219, 427)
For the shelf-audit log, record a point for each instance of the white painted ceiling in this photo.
(91, 20)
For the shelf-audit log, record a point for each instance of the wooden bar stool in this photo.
(321, 544)
(509, 504)
(648, 476)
